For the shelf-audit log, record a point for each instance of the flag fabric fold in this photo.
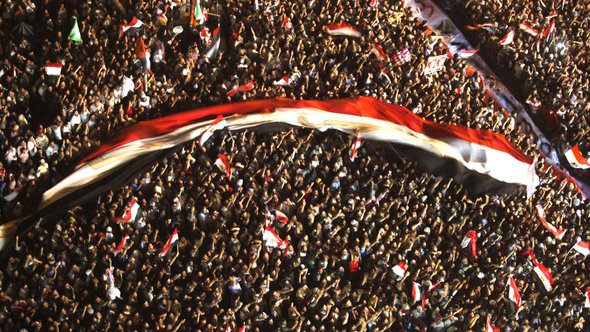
(528, 28)
(131, 213)
(416, 292)
(541, 214)
(271, 239)
(507, 38)
(135, 23)
(213, 48)
(223, 164)
(281, 217)
(242, 88)
(75, 33)
(285, 80)
(544, 275)
(400, 269)
(119, 248)
(378, 51)
(489, 326)
(582, 247)
(479, 26)
(470, 239)
(342, 29)
(549, 30)
(355, 146)
(53, 69)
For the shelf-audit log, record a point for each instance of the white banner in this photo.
(434, 64)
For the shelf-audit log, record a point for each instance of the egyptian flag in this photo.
(287, 24)
(218, 124)
(541, 213)
(482, 161)
(271, 239)
(479, 26)
(135, 23)
(384, 73)
(470, 238)
(490, 327)
(378, 51)
(339, 4)
(355, 147)
(223, 164)
(508, 38)
(544, 275)
(576, 159)
(246, 87)
(552, 15)
(374, 3)
(400, 269)
(513, 294)
(587, 301)
(53, 69)
(528, 28)
(283, 81)
(173, 238)
(465, 54)
(416, 292)
(549, 30)
(582, 247)
(119, 248)
(131, 213)
(280, 216)
(213, 47)
(110, 275)
(342, 29)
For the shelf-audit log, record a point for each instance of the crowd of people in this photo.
(349, 223)
(548, 57)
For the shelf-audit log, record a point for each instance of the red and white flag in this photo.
(541, 213)
(552, 15)
(135, 23)
(271, 239)
(400, 269)
(53, 69)
(173, 238)
(339, 4)
(130, 214)
(543, 274)
(528, 28)
(218, 124)
(416, 292)
(384, 73)
(285, 80)
(513, 294)
(490, 327)
(549, 30)
(508, 38)
(13, 71)
(402, 56)
(464, 54)
(587, 301)
(479, 26)
(470, 238)
(242, 88)
(342, 29)
(576, 159)
(355, 147)
(287, 24)
(206, 35)
(121, 245)
(223, 164)
(374, 3)
(582, 247)
(378, 51)
(111, 276)
(281, 217)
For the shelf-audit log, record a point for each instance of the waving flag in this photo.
(223, 164)
(479, 26)
(287, 24)
(400, 269)
(378, 51)
(582, 247)
(464, 54)
(374, 3)
(280, 216)
(482, 161)
(246, 87)
(355, 147)
(470, 238)
(135, 23)
(513, 294)
(549, 30)
(75, 33)
(528, 29)
(119, 248)
(490, 327)
(544, 275)
(402, 56)
(173, 238)
(587, 302)
(130, 214)
(576, 159)
(213, 48)
(285, 80)
(271, 239)
(218, 124)
(416, 292)
(541, 213)
(53, 69)
(552, 15)
(342, 29)
(508, 38)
